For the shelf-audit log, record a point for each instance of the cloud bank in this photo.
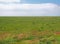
(43, 9)
(9, 1)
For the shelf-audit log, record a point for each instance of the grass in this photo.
(29, 30)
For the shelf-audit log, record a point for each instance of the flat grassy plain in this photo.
(29, 30)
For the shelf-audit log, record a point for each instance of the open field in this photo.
(29, 30)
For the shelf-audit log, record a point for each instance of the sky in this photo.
(29, 7)
(41, 1)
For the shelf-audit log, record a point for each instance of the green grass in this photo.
(22, 30)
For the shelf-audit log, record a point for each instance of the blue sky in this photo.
(41, 1)
(29, 7)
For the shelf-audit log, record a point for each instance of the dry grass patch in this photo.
(4, 35)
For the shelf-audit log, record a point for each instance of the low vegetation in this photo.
(29, 30)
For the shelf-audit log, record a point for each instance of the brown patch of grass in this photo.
(57, 33)
(42, 33)
(23, 35)
(34, 41)
(35, 33)
(4, 35)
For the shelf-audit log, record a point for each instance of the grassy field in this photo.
(29, 30)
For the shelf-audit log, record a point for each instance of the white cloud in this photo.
(13, 6)
(7, 1)
(45, 9)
